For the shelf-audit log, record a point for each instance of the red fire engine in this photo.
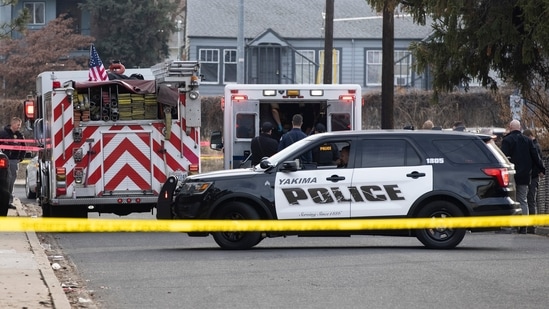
(108, 146)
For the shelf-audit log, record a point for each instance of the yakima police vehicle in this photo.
(389, 174)
(108, 146)
(246, 107)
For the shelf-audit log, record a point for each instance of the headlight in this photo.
(194, 187)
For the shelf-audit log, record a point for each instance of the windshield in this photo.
(288, 151)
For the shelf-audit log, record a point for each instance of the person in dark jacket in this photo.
(294, 135)
(327, 153)
(10, 132)
(523, 154)
(263, 145)
(534, 182)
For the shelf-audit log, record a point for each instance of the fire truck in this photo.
(247, 106)
(108, 146)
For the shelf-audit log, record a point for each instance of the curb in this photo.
(58, 296)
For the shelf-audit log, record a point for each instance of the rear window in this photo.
(462, 151)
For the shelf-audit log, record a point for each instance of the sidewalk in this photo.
(26, 277)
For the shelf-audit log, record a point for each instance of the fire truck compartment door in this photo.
(127, 164)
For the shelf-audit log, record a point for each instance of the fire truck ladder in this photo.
(176, 71)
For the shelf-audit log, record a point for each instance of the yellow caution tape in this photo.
(19, 224)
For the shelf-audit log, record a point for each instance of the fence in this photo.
(542, 199)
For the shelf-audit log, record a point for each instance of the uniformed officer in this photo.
(327, 153)
(263, 145)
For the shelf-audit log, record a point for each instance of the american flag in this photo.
(97, 71)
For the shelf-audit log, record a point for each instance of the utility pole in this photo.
(328, 41)
(240, 44)
(388, 67)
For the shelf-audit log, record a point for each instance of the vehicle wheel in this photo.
(29, 193)
(440, 238)
(237, 240)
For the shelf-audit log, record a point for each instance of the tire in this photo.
(28, 192)
(440, 238)
(237, 240)
(46, 210)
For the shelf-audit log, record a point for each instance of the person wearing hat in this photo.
(263, 145)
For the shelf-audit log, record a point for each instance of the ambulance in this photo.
(108, 146)
(246, 106)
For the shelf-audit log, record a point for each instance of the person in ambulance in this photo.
(389, 174)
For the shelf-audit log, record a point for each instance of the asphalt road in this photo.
(163, 270)
(171, 270)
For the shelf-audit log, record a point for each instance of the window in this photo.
(335, 68)
(373, 67)
(229, 66)
(403, 67)
(245, 125)
(462, 151)
(305, 68)
(37, 12)
(209, 65)
(386, 153)
(340, 121)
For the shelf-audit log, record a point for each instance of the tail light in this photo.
(193, 169)
(29, 109)
(60, 181)
(501, 174)
(4, 162)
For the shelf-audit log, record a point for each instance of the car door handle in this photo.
(415, 175)
(335, 178)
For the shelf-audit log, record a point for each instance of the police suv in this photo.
(389, 174)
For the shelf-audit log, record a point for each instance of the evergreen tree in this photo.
(132, 31)
(485, 40)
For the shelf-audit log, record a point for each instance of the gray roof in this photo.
(292, 19)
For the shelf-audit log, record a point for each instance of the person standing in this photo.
(294, 135)
(534, 181)
(522, 153)
(11, 131)
(263, 145)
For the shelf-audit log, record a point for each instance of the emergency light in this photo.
(317, 93)
(347, 98)
(269, 93)
(29, 109)
(239, 97)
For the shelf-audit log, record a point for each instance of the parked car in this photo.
(31, 176)
(4, 184)
(388, 174)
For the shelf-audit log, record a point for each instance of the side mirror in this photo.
(216, 140)
(289, 166)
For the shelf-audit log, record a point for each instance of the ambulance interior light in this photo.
(317, 93)
(269, 93)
